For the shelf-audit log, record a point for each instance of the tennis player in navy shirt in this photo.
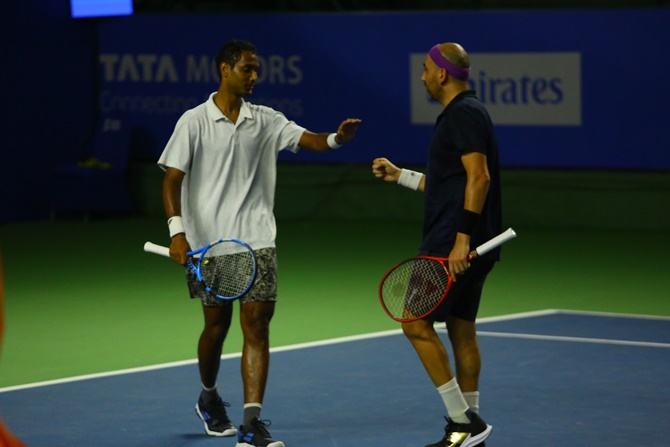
(462, 209)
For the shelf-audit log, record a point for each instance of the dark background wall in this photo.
(50, 87)
(48, 99)
(216, 6)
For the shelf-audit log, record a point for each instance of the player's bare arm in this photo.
(476, 189)
(172, 203)
(318, 142)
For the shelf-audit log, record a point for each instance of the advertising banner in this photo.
(566, 89)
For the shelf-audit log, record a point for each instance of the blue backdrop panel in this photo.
(579, 88)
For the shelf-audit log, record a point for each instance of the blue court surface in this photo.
(551, 378)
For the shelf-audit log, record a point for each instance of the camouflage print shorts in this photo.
(264, 288)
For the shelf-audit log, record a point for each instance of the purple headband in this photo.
(462, 74)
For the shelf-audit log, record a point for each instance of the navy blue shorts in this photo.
(462, 301)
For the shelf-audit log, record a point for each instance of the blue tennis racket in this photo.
(226, 268)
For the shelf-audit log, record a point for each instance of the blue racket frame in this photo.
(198, 269)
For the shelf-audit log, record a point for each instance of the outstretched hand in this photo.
(382, 168)
(347, 130)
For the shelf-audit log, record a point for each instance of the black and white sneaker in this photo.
(215, 418)
(256, 435)
(465, 435)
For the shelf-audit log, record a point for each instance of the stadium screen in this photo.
(101, 8)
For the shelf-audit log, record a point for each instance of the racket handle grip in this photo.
(493, 243)
(150, 247)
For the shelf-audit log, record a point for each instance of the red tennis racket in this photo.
(413, 288)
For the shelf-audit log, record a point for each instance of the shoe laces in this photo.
(261, 426)
(220, 406)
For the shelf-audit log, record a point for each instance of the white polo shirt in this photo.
(231, 171)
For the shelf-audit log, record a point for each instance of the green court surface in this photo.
(83, 298)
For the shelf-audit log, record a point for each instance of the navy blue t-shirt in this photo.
(463, 126)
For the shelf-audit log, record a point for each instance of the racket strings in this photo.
(414, 288)
(225, 272)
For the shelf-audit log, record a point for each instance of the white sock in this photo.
(454, 401)
(472, 399)
(209, 389)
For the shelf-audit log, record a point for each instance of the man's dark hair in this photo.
(231, 52)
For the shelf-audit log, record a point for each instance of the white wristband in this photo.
(331, 141)
(175, 226)
(410, 179)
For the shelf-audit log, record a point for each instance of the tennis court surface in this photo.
(550, 378)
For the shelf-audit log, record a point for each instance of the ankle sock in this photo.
(251, 410)
(472, 399)
(454, 401)
(208, 395)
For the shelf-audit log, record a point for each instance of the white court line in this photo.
(577, 339)
(194, 361)
(331, 341)
(574, 339)
(519, 315)
(611, 314)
